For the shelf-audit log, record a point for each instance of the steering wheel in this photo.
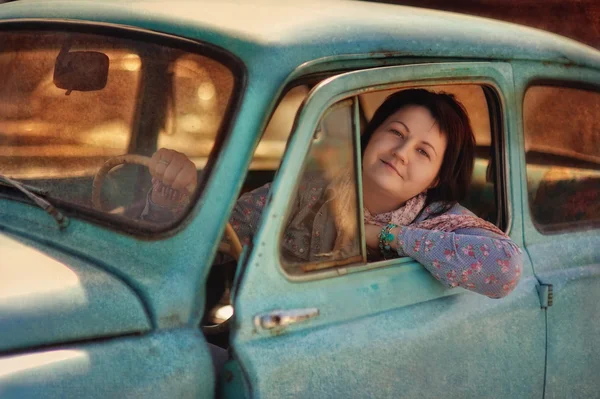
(233, 247)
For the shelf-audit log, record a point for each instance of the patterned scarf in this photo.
(406, 214)
(402, 216)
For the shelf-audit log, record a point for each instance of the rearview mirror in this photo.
(81, 71)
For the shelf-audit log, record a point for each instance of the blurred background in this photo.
(576, 19)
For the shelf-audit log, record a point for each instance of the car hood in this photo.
(47, 297)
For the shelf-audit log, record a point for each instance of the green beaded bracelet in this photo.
(386, 238)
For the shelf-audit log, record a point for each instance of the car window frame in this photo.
(527, 73)
(564, 227)
(492, 75)
(362, 257)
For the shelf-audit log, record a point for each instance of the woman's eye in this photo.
(423, 152)
(397, 133)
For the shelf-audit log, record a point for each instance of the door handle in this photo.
(283, 318)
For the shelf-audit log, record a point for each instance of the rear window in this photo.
(562, 150)
(56, 137)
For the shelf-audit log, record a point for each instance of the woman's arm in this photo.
(472, 258)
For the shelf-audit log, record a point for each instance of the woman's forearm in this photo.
(479, 261)
(476, 260)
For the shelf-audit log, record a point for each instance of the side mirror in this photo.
(81, 71)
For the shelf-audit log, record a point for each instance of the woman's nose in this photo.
(401, 152)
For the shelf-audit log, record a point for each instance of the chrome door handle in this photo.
(283, 318)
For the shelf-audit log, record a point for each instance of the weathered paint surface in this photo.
(159, 365)
(458, 346)
(47, 297)
(570, 261)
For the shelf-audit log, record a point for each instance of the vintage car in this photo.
(98, 302)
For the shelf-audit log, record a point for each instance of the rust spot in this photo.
(564, 62)
(386, 53)
(228, 376)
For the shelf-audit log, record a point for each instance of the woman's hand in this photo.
(173, 170)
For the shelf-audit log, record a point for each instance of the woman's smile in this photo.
(391, 167)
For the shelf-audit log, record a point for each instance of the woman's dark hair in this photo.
(457, 166)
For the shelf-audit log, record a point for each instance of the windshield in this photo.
(69, 102)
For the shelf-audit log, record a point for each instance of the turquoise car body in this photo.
(115, 314)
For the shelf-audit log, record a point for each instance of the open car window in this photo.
(72, 101)
(323, 226)
(482, 197)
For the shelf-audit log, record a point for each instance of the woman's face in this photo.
(403, 156)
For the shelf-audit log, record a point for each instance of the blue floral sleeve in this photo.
(475, 259)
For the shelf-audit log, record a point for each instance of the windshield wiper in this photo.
(61, 219)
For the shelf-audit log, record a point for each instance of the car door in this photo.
(348, 328)
(561, 110)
